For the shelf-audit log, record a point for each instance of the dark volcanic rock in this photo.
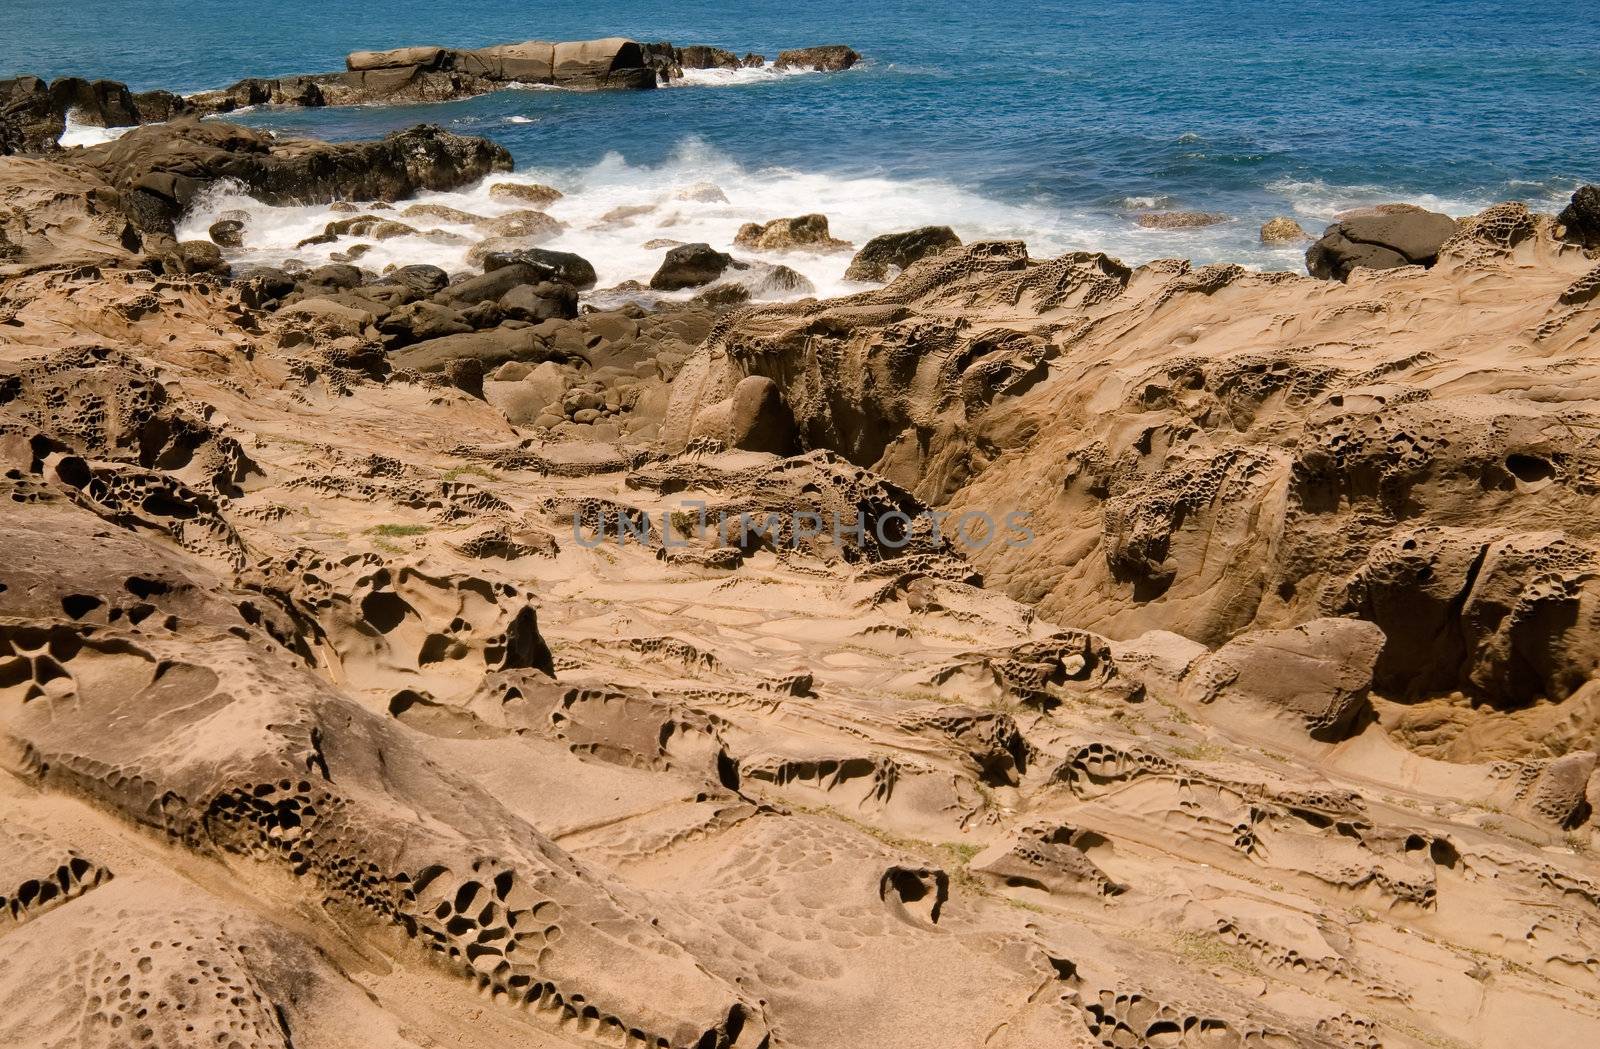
(690, 266)
(550, 300)
(1382, 239)
(99, 103)
(227, 233)
(561, 266)
(420, 321)
(872, 262)
(1581, 218)
(422, 279)
(29, 122)
(490, 285)
(33, 114)
(162, 168)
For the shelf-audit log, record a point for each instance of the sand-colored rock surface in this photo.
(335, 712)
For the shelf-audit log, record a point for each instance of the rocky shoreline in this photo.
(33, 113)
(362, 633)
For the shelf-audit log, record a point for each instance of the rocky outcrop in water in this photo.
(1379, 239)
(161, 169)
(33, 113)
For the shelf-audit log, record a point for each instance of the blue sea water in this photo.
(1053, 120)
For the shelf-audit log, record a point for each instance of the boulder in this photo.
(420, 57)
(335, 318)
(422, 279)
(227, 233)
(768, 281)
(1282, 230)
(537, 195)
(805, 232)
(490, 348)
(155, 107)
(610, 62)
(332, 277)
(420, 321)
(1580, 219)
(1314, 676)
(703, 193)
(29, 121)
(490, 285)
(1379, 240)
(523, 394)
(525, 223)
(442, 213)
(613, 62)
(262, 287)
(702, 56)
(532, 61)
(163, 168)
(479, 253)
(899, 250)
(201, 256)
(828, 58)
(691, 266)
(561, 266)
(368, 226)
(540, 302)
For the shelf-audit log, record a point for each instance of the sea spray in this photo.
(623, 217)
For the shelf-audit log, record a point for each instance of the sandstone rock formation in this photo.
(1282, 230)
(805, 233)
(413, 659)
(690, 266)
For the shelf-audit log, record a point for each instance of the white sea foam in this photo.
(77, 134)
(1321, 202)
(762, 74)
(676, 207)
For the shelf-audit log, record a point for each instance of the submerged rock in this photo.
(1179, 219)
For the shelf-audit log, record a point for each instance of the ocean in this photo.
(1054, 122)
